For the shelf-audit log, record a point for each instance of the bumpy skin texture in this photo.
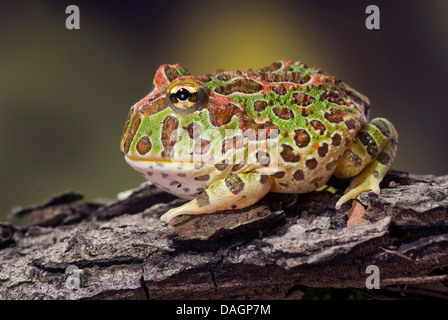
(314, 126)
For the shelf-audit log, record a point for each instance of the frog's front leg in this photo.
(368, 158)
(234, 192)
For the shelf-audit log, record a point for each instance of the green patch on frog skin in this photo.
(182, 72)
(214, 82)
(152, 124)
(296, 68)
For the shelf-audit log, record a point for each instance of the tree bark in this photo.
(284, 247)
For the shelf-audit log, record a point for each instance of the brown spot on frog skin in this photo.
(335, 115)
(279, 174)
(182, 175)
(283, 112)
(260, 105)
(318, 126)
(353, 158)
(299, 175)
(186, 190)
(383, 158)
(288, 154)
(302, 138)
(280, 89)
(242, 84)
(351, 124)
(323, 150)
(311, 163)
(170, 124)
(275, 66)
(333, 97)
(222, 115)
(171, 73)
(305, 112)
(238, 166)
(336, 140)
(382, 126)
(194, 130)
(221, 166)
(264, 179)
(144, 145)
(368, 141)
(234, 184)
(205, 177)
(302, 99)
(131, 133)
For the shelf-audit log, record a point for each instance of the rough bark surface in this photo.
(277, 249)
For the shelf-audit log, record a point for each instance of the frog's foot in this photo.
(234, 192)
(367, 180)
(368, 159)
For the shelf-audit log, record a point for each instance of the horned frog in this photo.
(290, 126)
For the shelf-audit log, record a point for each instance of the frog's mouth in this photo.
(152, 163)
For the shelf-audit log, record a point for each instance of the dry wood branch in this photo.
(276, 249)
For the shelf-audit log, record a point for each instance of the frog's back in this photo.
(316, 115)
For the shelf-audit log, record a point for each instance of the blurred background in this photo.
(65, 94)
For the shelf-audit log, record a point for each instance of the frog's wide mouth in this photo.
(158, 162)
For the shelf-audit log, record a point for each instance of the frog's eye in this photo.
(184, 98)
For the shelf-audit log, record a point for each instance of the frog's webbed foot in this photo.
(368, 159)
(234, 192)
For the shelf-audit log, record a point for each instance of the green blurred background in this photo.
(65, 94)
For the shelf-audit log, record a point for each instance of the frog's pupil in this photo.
(183, 94)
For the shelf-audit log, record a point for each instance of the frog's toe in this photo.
(359, 185)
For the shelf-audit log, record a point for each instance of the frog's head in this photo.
(181, 112)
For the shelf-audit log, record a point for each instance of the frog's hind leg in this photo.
(368, 158)
(234, 192)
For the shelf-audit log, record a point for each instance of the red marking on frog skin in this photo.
(267, 87)
(241, 121)
(316, 145)
(261, 119)
(147, 99)
(319, 79)
(223, 101)
(287, 63)
(288, 85)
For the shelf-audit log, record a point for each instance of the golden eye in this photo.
(183, 96)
